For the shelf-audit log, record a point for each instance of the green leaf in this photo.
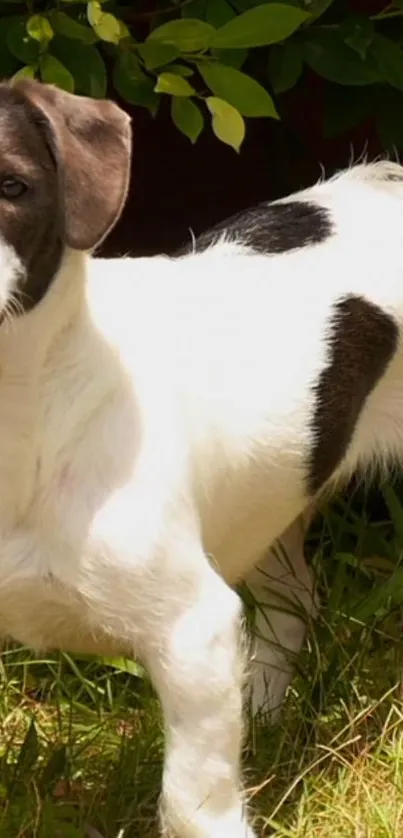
(327, 54)
(180, 70)
(218, 12)
(156, 54)
(28, 753)
(357, 32)
(65, 25)
(39, 29)
(131, 83)
(266, 24)
(54, 72)
(372, 605)
(285, 65)
(186, 34)
(21, 44)
(395, 510)
(26, 72)
(173, 84)
(107, 27)
(231, 57)
(318, 7)
(85, 64)
(94, 12)
(196, 10)
(243, 5)
(388, 58)
(227, 123)
(124, 31)
(240, 90)
(130, 667)
(345, 107)
(377, 600)
(187, 117)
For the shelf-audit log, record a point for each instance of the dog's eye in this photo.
(12, 188)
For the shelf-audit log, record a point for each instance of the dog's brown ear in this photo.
(91, 141)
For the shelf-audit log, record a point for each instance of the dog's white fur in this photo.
(154, 425)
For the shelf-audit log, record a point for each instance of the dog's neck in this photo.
(26, 343)
(26, 339)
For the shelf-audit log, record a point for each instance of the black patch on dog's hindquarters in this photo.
(270, 228)
(363, 341)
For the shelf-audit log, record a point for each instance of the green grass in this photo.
(81, 741)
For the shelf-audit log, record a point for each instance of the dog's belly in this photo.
(243, 519)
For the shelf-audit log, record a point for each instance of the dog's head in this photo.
(64, 174)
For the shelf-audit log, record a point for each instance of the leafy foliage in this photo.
(206, 56)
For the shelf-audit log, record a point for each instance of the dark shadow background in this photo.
(176, 185)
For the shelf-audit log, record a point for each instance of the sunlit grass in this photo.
(81, 741)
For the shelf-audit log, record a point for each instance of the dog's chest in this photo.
(48, 548)
(50, 582)
(40, 558)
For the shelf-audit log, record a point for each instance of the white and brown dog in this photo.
(163, 421)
